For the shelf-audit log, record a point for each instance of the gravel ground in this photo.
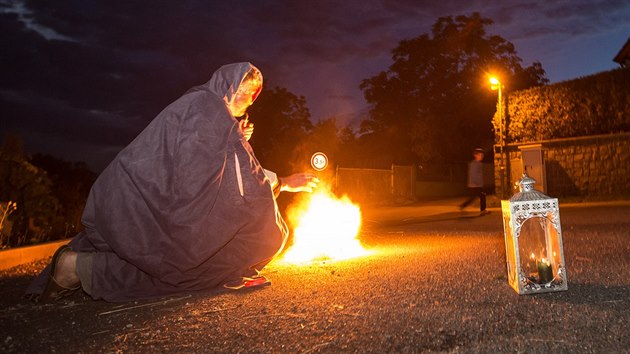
(436, 282)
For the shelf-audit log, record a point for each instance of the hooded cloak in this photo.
(185, 206)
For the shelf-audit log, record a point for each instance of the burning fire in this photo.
(327, 228)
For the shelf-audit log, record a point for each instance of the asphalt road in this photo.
(436, 282)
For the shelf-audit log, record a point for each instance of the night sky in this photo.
(79, 79)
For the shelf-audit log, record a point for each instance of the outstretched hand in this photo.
(299, 182)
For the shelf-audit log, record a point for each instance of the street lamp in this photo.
(495, 84)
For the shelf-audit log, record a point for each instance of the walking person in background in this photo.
(475, 182)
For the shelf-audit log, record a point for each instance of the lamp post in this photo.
(495, 84)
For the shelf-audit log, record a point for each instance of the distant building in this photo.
(623, 57)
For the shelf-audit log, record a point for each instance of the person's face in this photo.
(244, 97)
(479, 156)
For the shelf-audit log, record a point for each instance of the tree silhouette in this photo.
(433, 103)
(38, 210)
(281, 121)
(71, 183)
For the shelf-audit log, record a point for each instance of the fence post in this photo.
(391, 189)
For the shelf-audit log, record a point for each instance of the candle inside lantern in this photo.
(545, 273)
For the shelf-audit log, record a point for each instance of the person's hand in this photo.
(247, 128)
(299, 182)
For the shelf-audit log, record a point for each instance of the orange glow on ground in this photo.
(326, 229)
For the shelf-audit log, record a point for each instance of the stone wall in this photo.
(595, 166)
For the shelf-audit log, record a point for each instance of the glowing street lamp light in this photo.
(495, 84)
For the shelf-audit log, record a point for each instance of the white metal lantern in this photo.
(533, 241)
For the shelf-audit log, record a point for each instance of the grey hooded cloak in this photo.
(184, 207)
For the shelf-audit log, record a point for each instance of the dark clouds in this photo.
(81, 78)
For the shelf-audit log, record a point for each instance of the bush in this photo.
(592, 105)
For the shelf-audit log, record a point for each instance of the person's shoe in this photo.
(484, 212)
(53, 290)
(247, 282)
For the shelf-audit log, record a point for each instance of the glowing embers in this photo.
(326, 227)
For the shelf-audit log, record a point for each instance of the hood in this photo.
(226, 80)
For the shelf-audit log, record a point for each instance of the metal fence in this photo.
(447, 172)
(376, 185)
(404, 183)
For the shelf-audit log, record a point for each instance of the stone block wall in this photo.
(595, 166)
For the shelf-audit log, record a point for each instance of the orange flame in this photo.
(326, 228)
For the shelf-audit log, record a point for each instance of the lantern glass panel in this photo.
(510, 249)
(538, 249)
